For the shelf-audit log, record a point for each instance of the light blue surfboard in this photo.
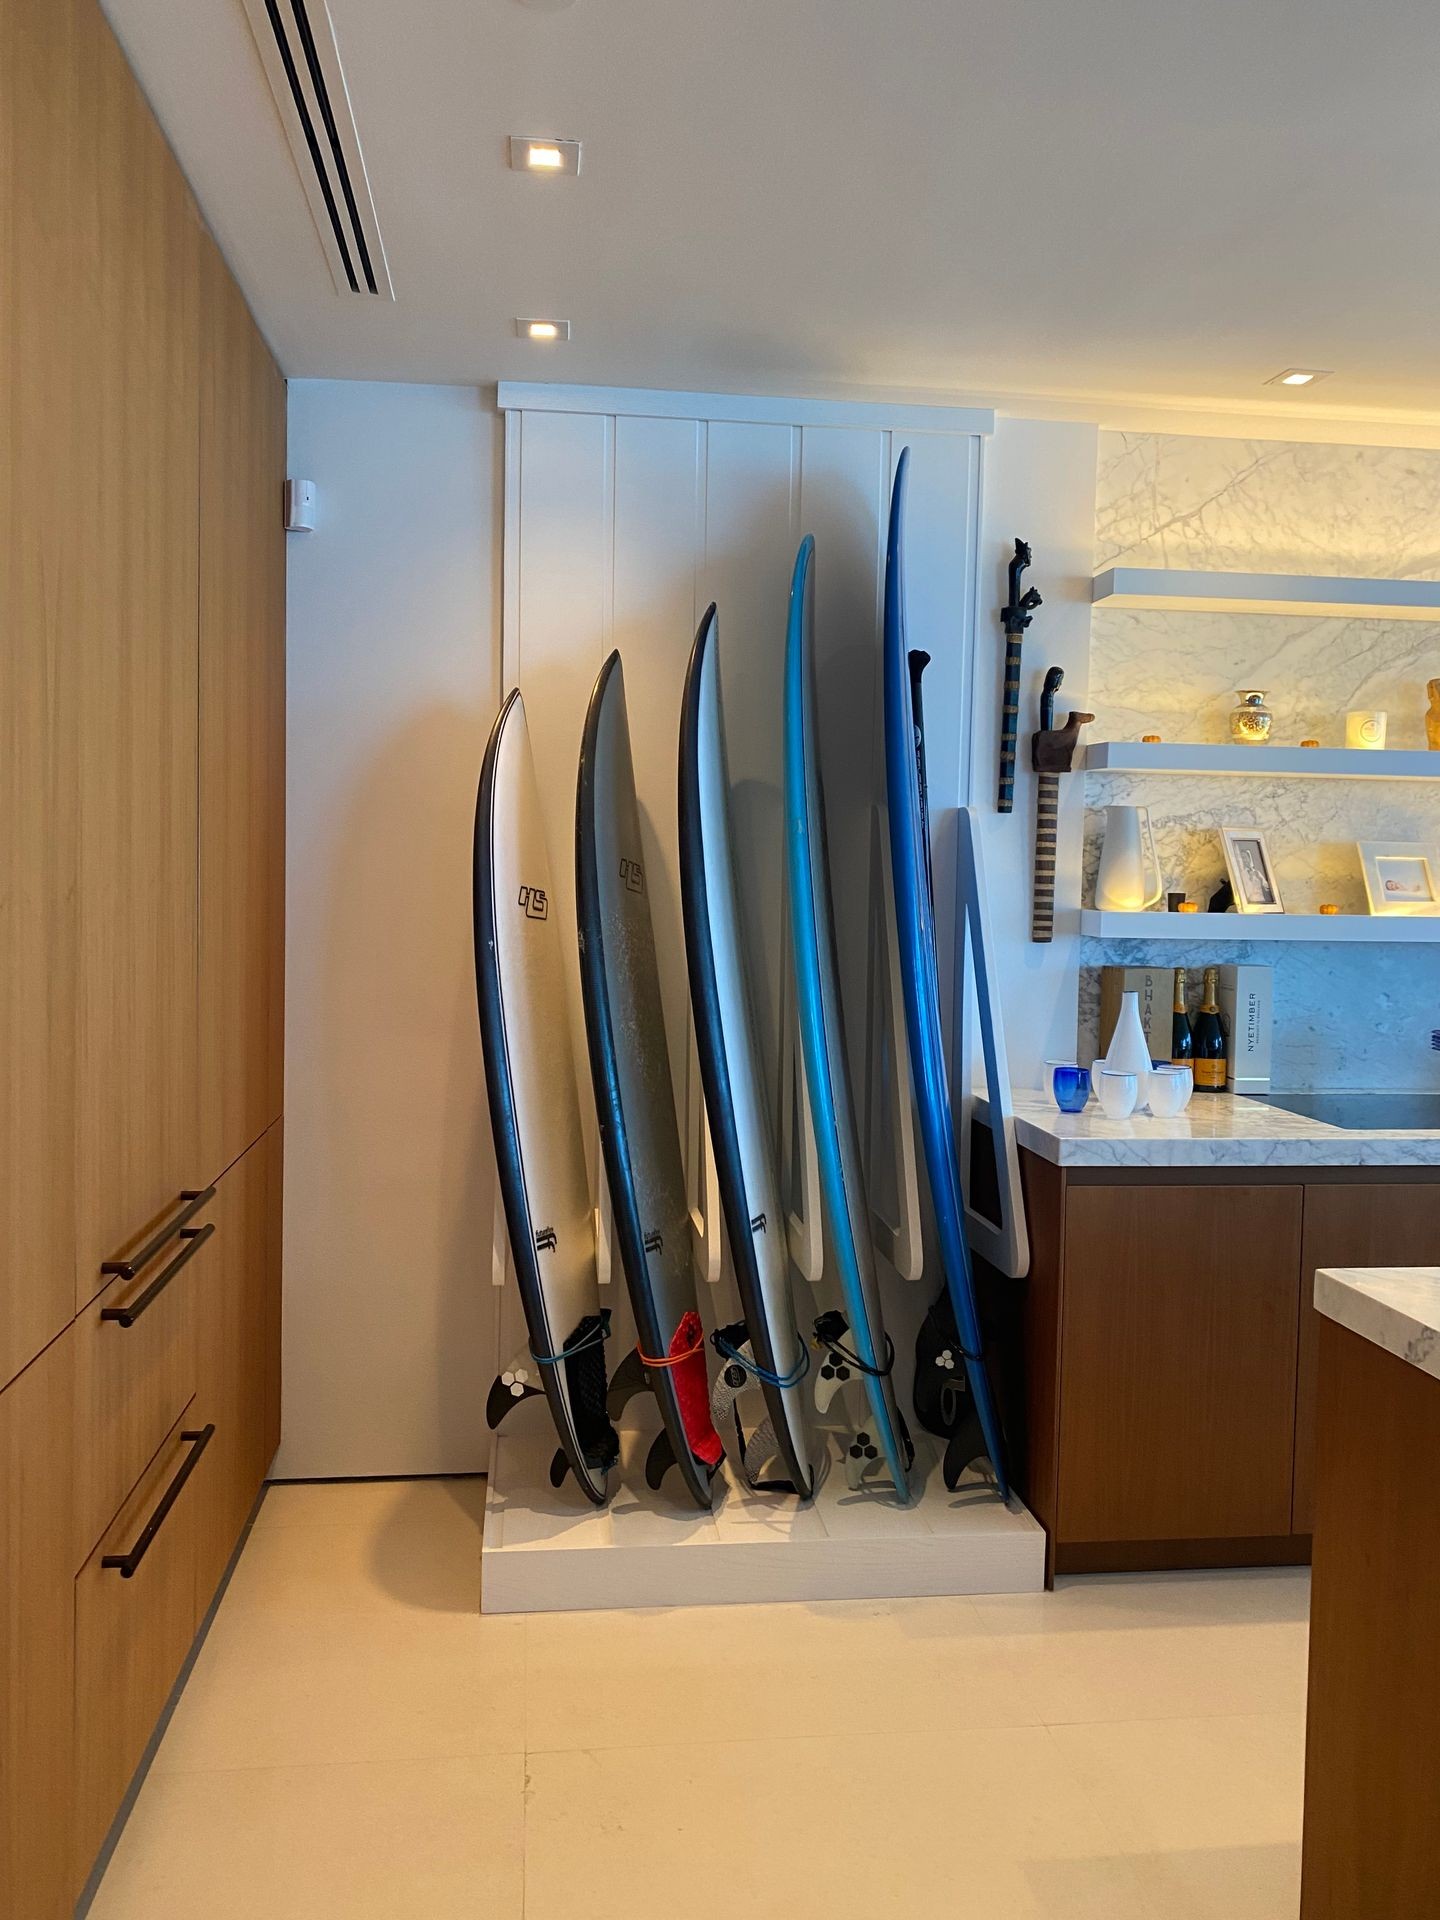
(919, 969)
(818, 1015)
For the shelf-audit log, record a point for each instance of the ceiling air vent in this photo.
(297, 43)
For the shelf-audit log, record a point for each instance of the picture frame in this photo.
(1402, 877)
(1251, 871)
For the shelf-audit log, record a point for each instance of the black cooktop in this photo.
(1364, 1112)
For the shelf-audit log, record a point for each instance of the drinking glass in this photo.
(1069, 1085)
(1118, 1093)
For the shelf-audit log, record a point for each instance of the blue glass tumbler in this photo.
(1071, 1088)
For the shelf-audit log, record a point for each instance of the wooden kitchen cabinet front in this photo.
(1356, 1224)
(1177, 1403)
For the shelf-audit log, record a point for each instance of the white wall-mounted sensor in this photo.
(299, 506)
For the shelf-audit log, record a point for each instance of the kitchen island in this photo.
(1372, 1775)
(1165, 1402)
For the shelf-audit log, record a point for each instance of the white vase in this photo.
(1130, 879)
(1129, 1050)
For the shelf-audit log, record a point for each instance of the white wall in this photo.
(394, 636)
(393, 682)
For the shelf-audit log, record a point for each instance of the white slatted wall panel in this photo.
(625, 515)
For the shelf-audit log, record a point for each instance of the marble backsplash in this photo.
(1344, 1016)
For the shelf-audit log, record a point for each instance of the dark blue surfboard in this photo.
(818, 1014)
(919, 969)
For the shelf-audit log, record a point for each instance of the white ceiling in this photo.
(1153, 199)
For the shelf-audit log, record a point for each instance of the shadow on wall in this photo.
(407, 1159)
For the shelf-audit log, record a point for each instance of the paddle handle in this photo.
(1047, 815)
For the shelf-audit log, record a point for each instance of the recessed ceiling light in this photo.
(1299, 377)
(539, 153)
(546, 330)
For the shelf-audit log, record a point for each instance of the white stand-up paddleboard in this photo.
(766, 1348)
(535, 1112)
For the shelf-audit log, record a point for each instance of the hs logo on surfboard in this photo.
(633, 874)
(535, 902)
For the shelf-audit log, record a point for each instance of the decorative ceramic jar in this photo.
(1252, 720)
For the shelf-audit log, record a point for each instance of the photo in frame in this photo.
(1251, 871)
(1401, 876)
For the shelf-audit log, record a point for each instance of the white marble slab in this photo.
(1216, 1130)
(1397, 1308)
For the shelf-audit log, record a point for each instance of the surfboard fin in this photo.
(966, 1448)
(659, 1460)
(559, 1467)
(752, 1454)
(627, 1380)
(507, 1391)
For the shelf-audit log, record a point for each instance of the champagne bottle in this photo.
(1182, 1040)
(1209, 1037)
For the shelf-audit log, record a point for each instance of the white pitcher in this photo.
(1130, 878)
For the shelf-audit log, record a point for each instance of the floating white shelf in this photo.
(1184, 591)
(1262, 763)
(1327, 928)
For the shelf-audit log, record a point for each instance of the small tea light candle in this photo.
(1187, 906)
(1328, 907)
(1309, 743)
(1150, 740)
(1365, 729)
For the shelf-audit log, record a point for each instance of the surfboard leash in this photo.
(594, 1336)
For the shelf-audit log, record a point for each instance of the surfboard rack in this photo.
(1005, 1242)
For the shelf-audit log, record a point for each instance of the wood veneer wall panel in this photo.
(45, 163)
(136, 482)
(37, 1423)
(242, 723)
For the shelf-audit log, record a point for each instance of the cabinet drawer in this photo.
(136, 1373)
(134, 1621)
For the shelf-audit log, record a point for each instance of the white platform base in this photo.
(549, 1551)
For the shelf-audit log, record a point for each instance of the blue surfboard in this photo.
(919, 968)
(819, 1018)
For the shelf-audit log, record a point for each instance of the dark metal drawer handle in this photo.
(195, 1198)
(126, 1563)
(127, 1316)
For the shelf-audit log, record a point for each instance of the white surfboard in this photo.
(535, 1113)
(735, 1101)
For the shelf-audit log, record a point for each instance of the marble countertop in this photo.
(1397, 1308)
(1216, 1130)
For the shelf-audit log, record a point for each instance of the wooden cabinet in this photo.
(135, 472)
(236, 1364)
(242, 724)
(135, 1616)
(1351, 1225)
(41, 195)
(36, 1651)
(1170, 1396)
(141, 899)
(1177, 1418)
(1372, 1843)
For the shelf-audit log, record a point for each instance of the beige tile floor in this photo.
(357, 1743)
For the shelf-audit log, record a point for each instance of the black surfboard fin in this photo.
(965, 1446)
(559, 1467)
(659, 1460)
(507, 1391)
(627, 1380)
